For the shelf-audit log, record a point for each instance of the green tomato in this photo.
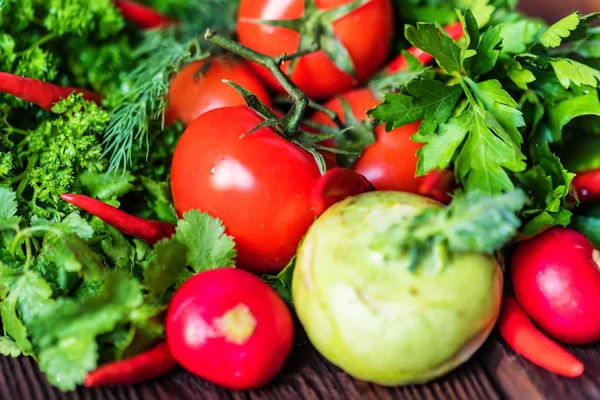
(373, 317)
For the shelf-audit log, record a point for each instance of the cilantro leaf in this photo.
(167, 267)
(520, 34)
(560, 30)
(208, 245)
(8, 347)
(65, 334)
(433, 40)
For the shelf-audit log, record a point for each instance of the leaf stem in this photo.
(292, 120)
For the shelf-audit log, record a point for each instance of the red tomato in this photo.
(556, 279)
(194, 92)
(365, 33)
(587, 186)
(229, 327)
(391, 162)
(260, 185)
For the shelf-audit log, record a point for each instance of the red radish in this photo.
(587, 186)
(556, 279)
(229, 327)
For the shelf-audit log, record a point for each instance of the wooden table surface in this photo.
(495, 372)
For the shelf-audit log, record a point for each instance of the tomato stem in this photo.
(291, 122)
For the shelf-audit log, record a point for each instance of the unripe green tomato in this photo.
(373, 317)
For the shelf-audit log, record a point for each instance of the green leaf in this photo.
(503, 107)
(64, 335)
(433, 40)
(282, 282)
(208, 245)
(67, 363)
(589, 225)
(519, 75)
(159, 200)
(26, 296)
(473, 222)
(429, 100)
(487, 51)
(560, 30)
(107, 187)
(560, 114)
(485, 156)
(440, 148)
(166, 268)
(8, 203)
(8, 347)
(570, 71)
(548, 184)
(520, 34)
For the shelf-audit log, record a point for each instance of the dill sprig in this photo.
(162, 52)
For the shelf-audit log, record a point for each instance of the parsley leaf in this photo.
(433, 40)
(464, 226)
(548, 184)
(560, 30)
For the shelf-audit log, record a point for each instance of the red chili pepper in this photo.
(519, 333)
(148, 365)
(399, 63)
(587, 186)
(43, 94)
(146, 230)
(141, 15)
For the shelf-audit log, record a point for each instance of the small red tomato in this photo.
(556, 279)
(364, 33)
(199, 88)
(587, 186)
(391, 162)
(260, 185)
(229, 327)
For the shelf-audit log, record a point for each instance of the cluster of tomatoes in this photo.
(260, 185)
(267, 190)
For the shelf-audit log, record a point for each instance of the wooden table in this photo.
(495, 372)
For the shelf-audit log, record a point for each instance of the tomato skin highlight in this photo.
(366, 34)
(261, 336)
(556, 279)
(194, 92)
(259, 185)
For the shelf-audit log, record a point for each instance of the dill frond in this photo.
(160, 55)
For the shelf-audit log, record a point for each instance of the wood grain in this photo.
(495, 372)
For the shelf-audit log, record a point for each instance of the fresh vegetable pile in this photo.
(150, 169)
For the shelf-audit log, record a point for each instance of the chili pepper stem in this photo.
(300, 101)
